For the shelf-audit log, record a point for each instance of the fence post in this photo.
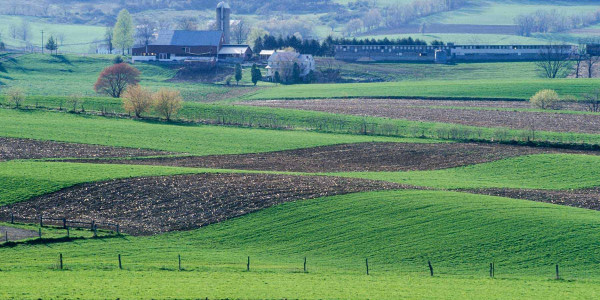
(41, 221)
(367, 263)
(93, 225)
(248, 264)
(64, 223)
(120, 265)
(68, 232)
(118, 232)
(12, 218)
(491, 270)
(430, 267)
(305, 264)
(179, 258)
(6, 236)
(557, 274)
(60, 258)
(40, 232)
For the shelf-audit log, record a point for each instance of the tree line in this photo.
(545, 21)
(327, 46)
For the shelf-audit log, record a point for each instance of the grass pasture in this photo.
(541, 171)
(192, 139)
(459, 233)
(464, 89)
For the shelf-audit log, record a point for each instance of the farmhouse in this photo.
(283, 62)
(235, 53)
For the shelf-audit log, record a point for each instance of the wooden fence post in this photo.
(64, 223)
(41, 221)
(305, 264)
(68, 232)
(248, 264)
(12, 218)
(557, 274)
(430, 267)
(92, 225)
(179, 258)
(60, 259)
(367, 264)
(40, 232)
(118, 231)
(491, 270)
(120, 265)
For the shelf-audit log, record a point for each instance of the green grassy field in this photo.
(77, 37)
(543, 171)
(193, 139)
(65, 75)
(459, 233)
(508, 89)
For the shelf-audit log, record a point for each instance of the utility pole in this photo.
(43, 42)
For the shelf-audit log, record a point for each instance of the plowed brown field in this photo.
(160, 204)
(422, 110)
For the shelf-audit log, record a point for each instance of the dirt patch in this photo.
(159, 204)
(584, 198)
(15, 234)
(416, 110)
(14, 148)
(352, 157)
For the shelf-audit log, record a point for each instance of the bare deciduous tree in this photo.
(592, 101)
(590, 62)
(553, 61)
(187, 23)
(145, 31)
(240, 31)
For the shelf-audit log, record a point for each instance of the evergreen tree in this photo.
(51, 45)
(277, 77)
(258, 45)
(238, 73)
(123, 31)
(296, 73)
(256, 74)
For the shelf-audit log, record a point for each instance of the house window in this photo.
(186, 49)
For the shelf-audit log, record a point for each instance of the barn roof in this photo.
(188, 38)
(234, 49)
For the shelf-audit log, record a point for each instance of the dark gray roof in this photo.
(188, 38)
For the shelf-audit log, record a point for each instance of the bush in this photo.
(545, 99)
(167, 103)
(137, 100)
(117, 60)
(15, 96)
(228, 80)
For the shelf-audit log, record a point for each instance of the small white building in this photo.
(283, 63)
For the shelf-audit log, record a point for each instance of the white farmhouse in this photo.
(283, 62)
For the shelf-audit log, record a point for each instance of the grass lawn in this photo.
(193, 139)
(490, 89)
(542, 171)
(398, 231)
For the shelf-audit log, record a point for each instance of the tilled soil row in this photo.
(584, 198)
(353, 157)
(150, 205)
(16, 148)
(413, 110)
(15, 234)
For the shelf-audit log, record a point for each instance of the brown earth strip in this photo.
(407, 109)
(15, 234)
(352, 157)
(584, 198)
(160, 204)
(15, 148)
